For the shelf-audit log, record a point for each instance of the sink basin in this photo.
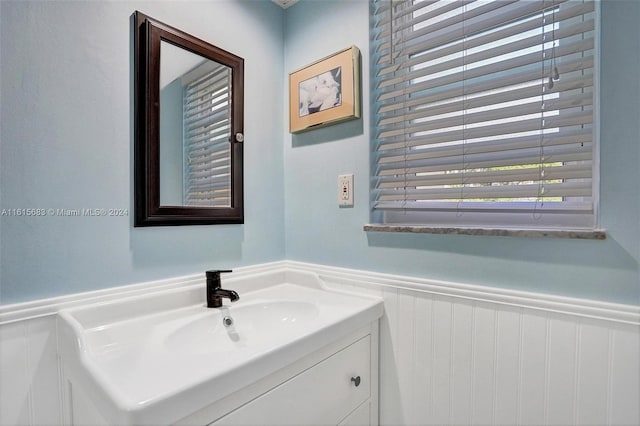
(156, 359)
(255, 324)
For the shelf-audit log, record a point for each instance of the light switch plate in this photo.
(345, 190)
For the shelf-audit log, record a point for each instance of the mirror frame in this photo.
(148, 33)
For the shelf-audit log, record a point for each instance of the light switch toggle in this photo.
(345, 190)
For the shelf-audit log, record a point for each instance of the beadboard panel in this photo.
(458, 362)
(450, 354)
(15, 401)
(463, 363)
(29, 376)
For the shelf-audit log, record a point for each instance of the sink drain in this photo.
(227, 321)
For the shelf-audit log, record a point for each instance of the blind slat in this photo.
(222, 132)
(472, 162)
(216, 80)
(569, 189)
(223, 126)
(192, 103)
(212, 165)
(218, 69)
(483, 100)
(444, 23)
(432, 166)
(408, 16)
(210, 120)
(209, 184)
(209, 163)
(525, 109)
(208, 105)
(581, 171)
(580, 136)
(576, 69)
(549, 207)
(492, 130)
(456, 34)
(213, 144)
(487, 70)
(430, 51)
(534, 41)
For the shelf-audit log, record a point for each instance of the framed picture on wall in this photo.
(325, 92)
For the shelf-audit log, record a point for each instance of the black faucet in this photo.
(215, 293)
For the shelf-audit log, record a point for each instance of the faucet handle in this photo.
(216, 272)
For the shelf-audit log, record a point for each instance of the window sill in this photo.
(596, 234)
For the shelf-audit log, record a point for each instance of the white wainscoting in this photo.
(450, 354)
(454, 354)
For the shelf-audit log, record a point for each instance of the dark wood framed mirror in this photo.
(189, 108)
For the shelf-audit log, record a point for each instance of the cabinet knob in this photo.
(356, 380)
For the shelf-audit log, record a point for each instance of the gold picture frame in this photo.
(325, 92)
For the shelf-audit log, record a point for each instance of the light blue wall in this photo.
(66, 143)
(66, 137)
(320, 232)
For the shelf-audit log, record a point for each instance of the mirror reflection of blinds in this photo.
(207, 120)
(484, 105)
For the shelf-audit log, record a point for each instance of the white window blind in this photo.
(484, 112)
(207, 118)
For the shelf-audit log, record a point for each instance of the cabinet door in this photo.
(323, 394)
(361, 416)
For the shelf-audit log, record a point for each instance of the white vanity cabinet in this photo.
(335, 386)
(325, 394)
